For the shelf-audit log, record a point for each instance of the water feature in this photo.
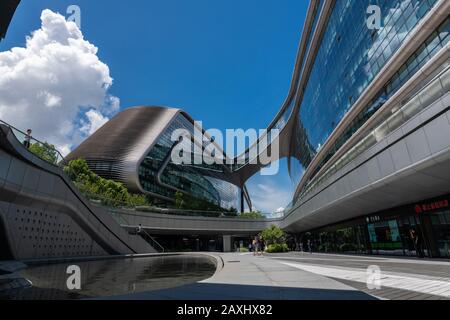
(105, 278)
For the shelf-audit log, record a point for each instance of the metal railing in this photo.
(152, 241)
(117, 204)
(43, 150)
(136, 230)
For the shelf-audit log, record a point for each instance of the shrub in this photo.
(251, 215)
(277, 247)
(45, 151)
(109, 192)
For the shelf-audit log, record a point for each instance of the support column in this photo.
(227, 245)
(242, 200)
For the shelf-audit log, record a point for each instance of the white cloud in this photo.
(95, 121)
(56, 85)
(268, 197)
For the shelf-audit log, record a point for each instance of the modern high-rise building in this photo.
(371, 131)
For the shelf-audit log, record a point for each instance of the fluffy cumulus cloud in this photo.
(56, 84)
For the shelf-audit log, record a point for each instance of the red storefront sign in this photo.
(428, 207)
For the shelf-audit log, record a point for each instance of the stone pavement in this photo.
(245, 277)
(400, 278)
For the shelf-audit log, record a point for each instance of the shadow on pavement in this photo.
(212, 291)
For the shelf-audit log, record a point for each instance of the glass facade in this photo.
(399, 113)
(349, 58)
(420, 229)
(190, 180)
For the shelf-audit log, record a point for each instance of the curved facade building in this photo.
(371, 108)
(135, 148)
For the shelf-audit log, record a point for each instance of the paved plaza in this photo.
(302, 276)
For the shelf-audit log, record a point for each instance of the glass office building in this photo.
(343, 93)
(350, 56)
(185, 178)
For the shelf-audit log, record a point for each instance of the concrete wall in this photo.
(156, 223)
(46, 217)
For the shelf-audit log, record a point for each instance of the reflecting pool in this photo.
(105, 278)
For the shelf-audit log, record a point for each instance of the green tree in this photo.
(179, 201)
(273, 235)
(45, 151)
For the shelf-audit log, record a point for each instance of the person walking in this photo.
(263, 246)
(27, 139)
(139, 229)
(309, 246)
(417, 242)
(257, 246)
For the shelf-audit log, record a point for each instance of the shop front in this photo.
(434, 217)
(419, 229)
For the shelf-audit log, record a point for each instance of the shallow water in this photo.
(113, 277)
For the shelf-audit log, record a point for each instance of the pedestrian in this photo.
(309, 246)
(263, 246)
(27, 139)
(417, 241)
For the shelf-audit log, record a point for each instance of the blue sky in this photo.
(228, 63)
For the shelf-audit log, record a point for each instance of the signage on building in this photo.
(432, 206)
(373, 219)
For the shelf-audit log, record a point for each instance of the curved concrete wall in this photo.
(46, 217)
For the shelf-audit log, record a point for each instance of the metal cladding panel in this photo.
(7, 9)
(116, 149)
